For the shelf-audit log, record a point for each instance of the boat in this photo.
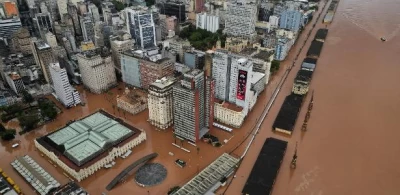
(383, 39)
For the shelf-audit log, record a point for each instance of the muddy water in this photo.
(352, 144)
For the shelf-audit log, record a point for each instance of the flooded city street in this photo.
(351, 146)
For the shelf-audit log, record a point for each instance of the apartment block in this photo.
(64, 92)
(207, 22)
(140, 24)
(44, 58)
(130, 68)
(120, 42)
(97, 70)
(240, 19)
(190, 108)
(155, 67)
(160, 103)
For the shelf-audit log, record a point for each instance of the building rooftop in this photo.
(248, 51)
(164, 82)
(70, 188)
(82, 142)
(210, 176)
(315, 49)
(14, 76)
(134, 96)
(303, 76)
(41, 45)
(263, 55)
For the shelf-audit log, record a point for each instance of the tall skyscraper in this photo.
(120, 42)
(73, 12)
(97, 70)
(190, 106)
(240, 19)
(291, 20)
(62, 8)
(141, 27)
(45, 57)
(94, 12)
(160, 103)
(42, 24)
(207, 22)
(9, 27)
(87, 26)
(65, 93)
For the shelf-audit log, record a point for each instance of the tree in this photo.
(2, 128)
(28, 98)
(275, 66)
(118, 5)
(47, 110)
(28, 121)
(8, 134)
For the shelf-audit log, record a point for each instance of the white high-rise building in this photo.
(240, 83)
(160, 103)
(65, 93)
(94, 11)
(240, 19)
(62, 8)
(97, 72)
(51, 39)
(207, 22)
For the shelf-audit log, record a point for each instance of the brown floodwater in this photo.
(352, 144)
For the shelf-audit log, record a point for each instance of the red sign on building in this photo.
(241, 85)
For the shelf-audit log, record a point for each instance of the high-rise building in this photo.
(97, 71)
(208, 63)
(141, 27)
(45, 57)
(155, 67)
(82, 9)
(221, 73)
(8, 27)
(291, 20)
(240, 19)
(194, 59)
(160, 103)
(120, 42)
(53, 9)
(180, 46)
(62, 8)
(130, 68)
(190, 106)
(51, 39)
(94, 12)
(15, 82)
(87, 26)
(42, 24)
(73, 12)
(21, 41)
(176, 9)
(207, 22)
(65, 93)
(240, 82)
(199, 6)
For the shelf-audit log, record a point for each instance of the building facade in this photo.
(190, 120)
(130, 69)
(132, 101)
(160, 103)
(87, 26)
(8, 27)
(65, 93)
(241, 19)
(15, 82)
(119, 44)
(97, 72)
(45, 57)
(207, 22)
(225, 115)
(141, 27)
(153, 68)
(291, 20)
